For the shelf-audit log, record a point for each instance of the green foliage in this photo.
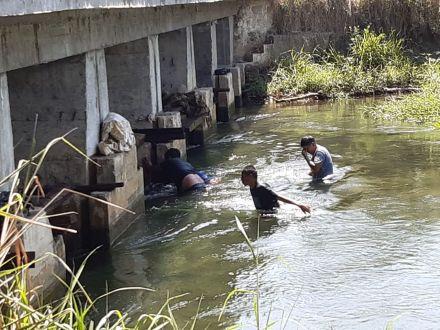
(374, 61)
(370, 50)
(422, 107)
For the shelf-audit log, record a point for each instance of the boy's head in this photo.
(249, 176)
(172, 153)
(308, 143)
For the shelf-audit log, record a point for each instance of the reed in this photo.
(22, 308)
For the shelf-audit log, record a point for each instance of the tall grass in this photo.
(418, 20)
(23, 308)
(422, 107)
(374, 61)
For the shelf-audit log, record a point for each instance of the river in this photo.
(368, 254)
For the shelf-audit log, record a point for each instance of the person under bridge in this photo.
(183, 174)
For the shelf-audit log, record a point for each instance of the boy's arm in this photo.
(314, 166)
(304, 208)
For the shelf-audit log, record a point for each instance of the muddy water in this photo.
(369, 253)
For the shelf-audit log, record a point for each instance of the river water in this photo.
(368, 254)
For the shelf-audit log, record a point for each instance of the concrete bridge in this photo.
(73, 62)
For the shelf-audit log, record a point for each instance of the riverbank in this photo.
(374, 64)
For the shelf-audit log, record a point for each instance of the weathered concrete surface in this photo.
(205, 52)
(298, 41)
(107, 223)
(40, 240)
(6, 138)
(36, 39)
(66, 94)
(206, 94)
(169, 120)
(155, 77)
(132, 92)
(252, 24)
(225, 41)
(241, 66)
(177, 66)
(225, 100)
(27, 7)
(236, 83)
(97, 98)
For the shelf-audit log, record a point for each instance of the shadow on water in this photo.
(368, 252)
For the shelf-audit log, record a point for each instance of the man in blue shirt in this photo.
(321, 164)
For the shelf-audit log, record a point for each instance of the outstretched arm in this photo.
(304, 208)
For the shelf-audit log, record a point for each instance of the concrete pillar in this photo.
(225, 41)
(68, 93)
(205, 52)
(131, 74)
(225, 100)
(97, 98)
(155, 77)
(6, 139)
(177, 66)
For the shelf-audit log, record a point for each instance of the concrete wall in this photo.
(36, 39)
(225, 41)
(131, 93)
(66, 94)
(177, 64)
(6, 140)
(283, 44)
(205, 52)
(252, 24)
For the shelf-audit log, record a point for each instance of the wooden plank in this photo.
(98, 187)
(10, 260)
(161, 135)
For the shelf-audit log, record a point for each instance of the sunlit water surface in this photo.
(369, 253)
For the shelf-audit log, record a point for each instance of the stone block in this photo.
(223, 81)
(236, 82)
(225, 100)
(74, 243)
(207, 96)
(146, 159)
(225, 106)
(107, 223)
(118, 167)
(41, 241)
(168, 119)
(242, 68)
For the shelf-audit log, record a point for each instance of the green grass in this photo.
(422, 107)
(374, 61)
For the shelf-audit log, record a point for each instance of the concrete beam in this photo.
(225, 41)
(33, 7)
(205, 52)
(177, 64)
(36, 39)
(6, 139)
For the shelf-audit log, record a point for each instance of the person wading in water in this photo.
(265, 200)
(321, 164)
